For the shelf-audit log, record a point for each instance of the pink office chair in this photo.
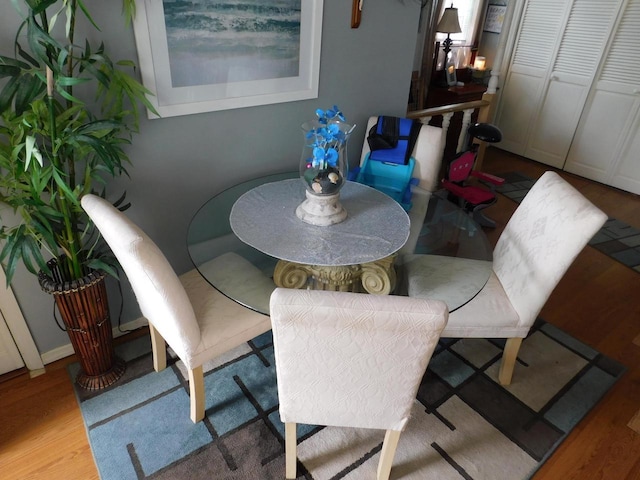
(473, 198)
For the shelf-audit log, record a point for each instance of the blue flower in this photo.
(324, 116)
(331, 156)
(318, 157)
(335, 112)
(327, 138)
(322, 157)
(333, 132)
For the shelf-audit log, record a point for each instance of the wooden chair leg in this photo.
(509, 356)
(196, 393)
(290, 442)
(391, 438)
(159, 349)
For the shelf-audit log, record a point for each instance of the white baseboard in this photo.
(67, 350)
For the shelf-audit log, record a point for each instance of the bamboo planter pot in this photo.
(84, 309)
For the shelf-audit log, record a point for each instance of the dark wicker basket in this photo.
(84, 309)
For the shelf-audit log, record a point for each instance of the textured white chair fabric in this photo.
(197, 321)
(548, 230)
(351, 360)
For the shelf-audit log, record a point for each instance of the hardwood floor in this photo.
(598, 301)
(42, 436)
(41, 431)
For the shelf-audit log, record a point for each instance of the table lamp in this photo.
(449, 24)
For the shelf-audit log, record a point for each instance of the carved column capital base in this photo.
(377, 277)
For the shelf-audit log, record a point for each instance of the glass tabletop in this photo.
(447, 255)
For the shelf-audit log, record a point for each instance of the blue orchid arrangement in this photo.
(327, 138)
(324, 165)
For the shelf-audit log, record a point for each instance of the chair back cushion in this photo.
(392, 139)
(460, 167)
(160, 294)
(427, 153)
(545, 234)
(351, 359)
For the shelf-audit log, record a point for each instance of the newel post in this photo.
(486, 113)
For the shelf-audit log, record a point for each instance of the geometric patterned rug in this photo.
(464, 424)
(615, 239)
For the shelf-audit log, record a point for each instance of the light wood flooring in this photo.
(598, 301)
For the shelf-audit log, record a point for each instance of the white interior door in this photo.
(10, 358)
(626, 172)
(535, 47)
(17, 347)
(601, 132)
(606, 145)
(585, 36)
(556, 121)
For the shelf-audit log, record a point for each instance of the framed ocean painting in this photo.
(204, 55)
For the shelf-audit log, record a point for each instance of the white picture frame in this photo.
(248, 78)
(494, 19)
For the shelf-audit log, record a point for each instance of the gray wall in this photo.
(488, 45)
(180, 162)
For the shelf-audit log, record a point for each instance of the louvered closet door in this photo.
(582, 44)
(606, 147)
(541, 25)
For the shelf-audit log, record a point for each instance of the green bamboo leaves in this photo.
(57, 145)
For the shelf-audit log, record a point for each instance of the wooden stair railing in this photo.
(485, 106)
(485, 112)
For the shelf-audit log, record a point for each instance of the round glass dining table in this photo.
(446, 256)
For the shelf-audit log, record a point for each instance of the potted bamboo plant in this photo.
(66, 111)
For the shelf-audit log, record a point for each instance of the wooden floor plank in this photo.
(634, 423)
(42, 435)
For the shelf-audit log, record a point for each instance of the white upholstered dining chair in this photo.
(541, 240)
(197, 321)
(351, 360)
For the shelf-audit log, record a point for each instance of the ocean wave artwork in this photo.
(215, 42)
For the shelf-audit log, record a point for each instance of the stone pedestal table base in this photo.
(377, 277)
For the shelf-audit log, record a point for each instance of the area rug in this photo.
(464, 424)
(616, 239)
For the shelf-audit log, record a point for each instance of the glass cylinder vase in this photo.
(324, 167)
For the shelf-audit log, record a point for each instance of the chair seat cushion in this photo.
(450, 279)
(249, 284)
(470, 194)
(488, 315)
(477, 195)
(224, 324)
